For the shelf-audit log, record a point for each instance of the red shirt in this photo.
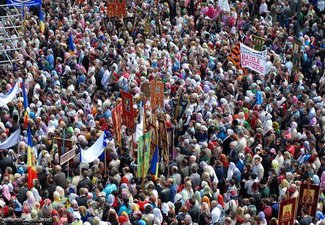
(142, 204)
(268, 213)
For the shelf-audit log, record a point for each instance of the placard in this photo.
(308, 196)
(252, 59)
(287, 211)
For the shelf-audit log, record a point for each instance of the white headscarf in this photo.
(158, 216)
(231, 170)
(209, 169)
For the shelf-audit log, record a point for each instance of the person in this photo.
(305, 218)
(230, 127)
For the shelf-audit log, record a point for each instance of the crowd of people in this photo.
(245, 142)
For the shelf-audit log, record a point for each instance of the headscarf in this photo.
(165, 208)
(158, 216)
(5, 192)
(223, 158)
(316, 179)
(197, 196)
(206, 200)
(103, 124)
(30, 200)
(36, 194)
(231, 170)
(209, 169)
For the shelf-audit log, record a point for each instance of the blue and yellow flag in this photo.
(154, 163)
(41, 21)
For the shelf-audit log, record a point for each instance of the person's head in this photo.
(273, 197)
(170, 181)
(58, 169)
(304, 211)
(85, 173)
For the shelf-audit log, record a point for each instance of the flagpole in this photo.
(144, 146)
(105, 161)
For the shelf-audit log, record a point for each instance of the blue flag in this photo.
(70, 42)
(26, 3)
(25, 96)
(29, 137)
(154, 163)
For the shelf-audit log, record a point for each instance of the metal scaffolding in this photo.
(11, 28)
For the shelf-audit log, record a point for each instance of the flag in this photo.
(140, 154)
(25, 105)
(179, 106)
(258, 42)
(157, 95)
(116, 117)
(147, 142)
(111, 8)
(70, 43)
(127, 106)
(5, 99)
(139, 126)
(41, 21)
(32, 174)
(234, 56)
(121, 8)
(224, 5)
(24, 17)
(25, 3)
(12, 140)
(143, 159)
(154, 163)
(94, 151)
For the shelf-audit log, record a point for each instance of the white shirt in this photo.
(215, 214)
(289, 66)
(263, 8)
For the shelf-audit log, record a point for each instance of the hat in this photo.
(178, 197)
(76, 215)
(292, 188)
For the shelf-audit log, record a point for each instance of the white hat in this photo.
(76, 215)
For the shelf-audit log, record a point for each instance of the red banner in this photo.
(287, 211)
(111, 8)
(127, 105)
(308, 196)
(116, 115)
(157, 95)
(121, 8)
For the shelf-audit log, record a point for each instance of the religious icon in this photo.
(309, 196)
(286, 214)
(127, 105)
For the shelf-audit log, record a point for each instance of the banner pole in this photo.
(105, 161)
(144, 145)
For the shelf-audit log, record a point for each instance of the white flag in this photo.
(224, 5)
(139, 126)
(252, 59)
(92, 153)
(12, 140)
(5, 99)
